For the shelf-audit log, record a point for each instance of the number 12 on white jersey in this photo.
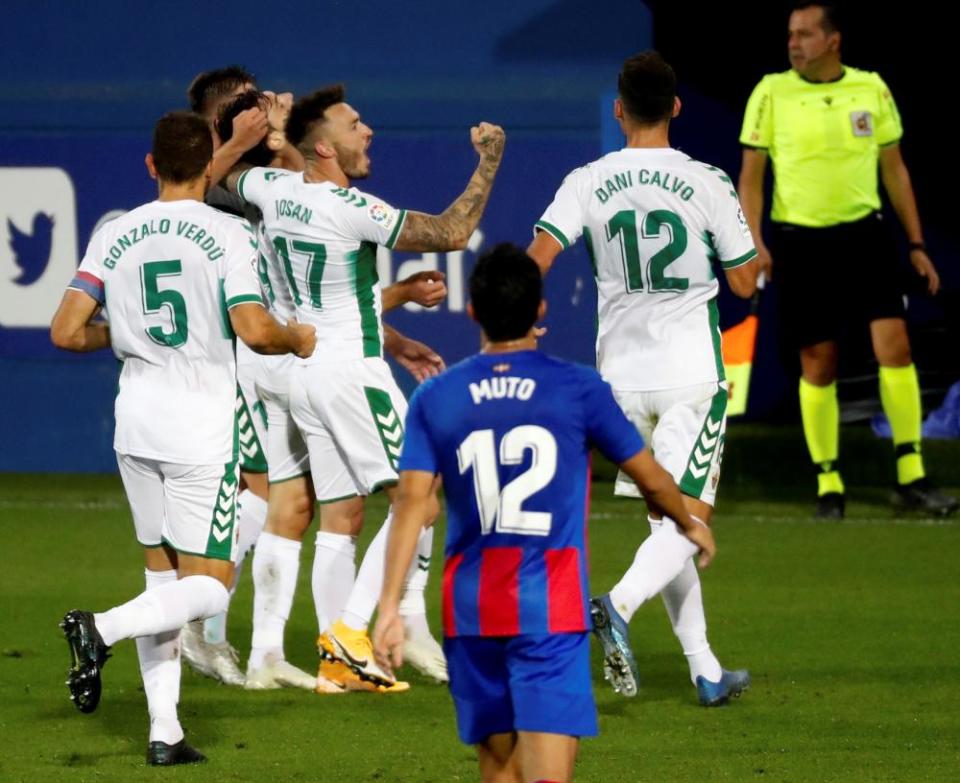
(501, 509)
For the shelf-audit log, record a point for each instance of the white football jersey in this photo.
(167, 273)
(273, 284)
(326, 239)
(655, 221)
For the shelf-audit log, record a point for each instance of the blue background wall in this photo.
(82, 84)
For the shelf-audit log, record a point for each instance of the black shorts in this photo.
(831, 281)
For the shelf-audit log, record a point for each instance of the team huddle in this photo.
(254, 396)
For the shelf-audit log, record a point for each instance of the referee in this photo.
(826, 126)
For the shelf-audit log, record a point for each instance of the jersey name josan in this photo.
(168, 273)
(655, 222)
(325, 239)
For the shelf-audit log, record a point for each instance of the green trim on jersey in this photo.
(252, 457)
(244, 299)
(395, 234)
(388, 422)
(740, 260)
(226, 328)
(715, 336)
(240, 182)
(553, 231)
(588, 241)
(708, 442)
(365, 277)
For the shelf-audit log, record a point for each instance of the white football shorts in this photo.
(351, 414)
(685, 428)
(251, 416)
(287, 455)
(190, 508)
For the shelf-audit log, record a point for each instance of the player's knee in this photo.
(342, 517)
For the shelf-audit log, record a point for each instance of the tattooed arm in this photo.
(452, 229)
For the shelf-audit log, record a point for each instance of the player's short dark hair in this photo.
(505, 290)
(648, 88)
(260, 154)
(206, 87)
(182, 146)
(308, 112)
(831, 15)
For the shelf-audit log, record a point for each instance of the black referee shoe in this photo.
(921, 495)
(830, 505)
(160, 754)
(89, 654)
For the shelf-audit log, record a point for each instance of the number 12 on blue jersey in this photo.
(501, 509)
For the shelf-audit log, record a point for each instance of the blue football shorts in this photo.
(533, 682)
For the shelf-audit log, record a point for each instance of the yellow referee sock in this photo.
(900, 396)
(820, 413)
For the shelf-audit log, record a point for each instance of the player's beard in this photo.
(354, 163)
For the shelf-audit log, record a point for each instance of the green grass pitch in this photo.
(850, 630)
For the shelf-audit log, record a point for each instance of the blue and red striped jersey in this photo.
(510, 434)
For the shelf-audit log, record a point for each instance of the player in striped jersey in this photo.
(509, 432)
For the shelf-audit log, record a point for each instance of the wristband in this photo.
(917, 246)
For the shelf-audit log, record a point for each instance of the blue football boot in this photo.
(619, 665)
(713, 694)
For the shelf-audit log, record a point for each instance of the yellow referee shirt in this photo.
(824, 140)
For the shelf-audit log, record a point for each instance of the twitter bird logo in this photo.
(31, 250)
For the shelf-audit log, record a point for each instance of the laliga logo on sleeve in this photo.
(38, 243)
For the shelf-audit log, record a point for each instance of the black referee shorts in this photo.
(833, 280)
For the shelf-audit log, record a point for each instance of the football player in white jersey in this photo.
(204, 645)
(656, 223)
(178, 281)
(291, 500)
(344, 398)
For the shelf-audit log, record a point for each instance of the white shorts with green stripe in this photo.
(251, 416)
(287, 456)
(685, 428)
(352, 415)
(190, 508)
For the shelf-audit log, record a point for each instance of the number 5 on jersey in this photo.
(501, 509)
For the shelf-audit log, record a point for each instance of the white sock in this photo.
(658, 560)
(683, 599)
(163, 608)
(251, 517)
(160, 669)
(334, 570)
(276, 564)
(366, 590)
(413, 607)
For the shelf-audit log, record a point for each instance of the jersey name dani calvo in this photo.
(654, 221)
(168, 273)
(326, 238)
(510, 435)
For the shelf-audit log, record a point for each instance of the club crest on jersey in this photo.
(381, 215)
(862, 123)
(501, 367)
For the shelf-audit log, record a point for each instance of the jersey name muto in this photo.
(500, 387)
